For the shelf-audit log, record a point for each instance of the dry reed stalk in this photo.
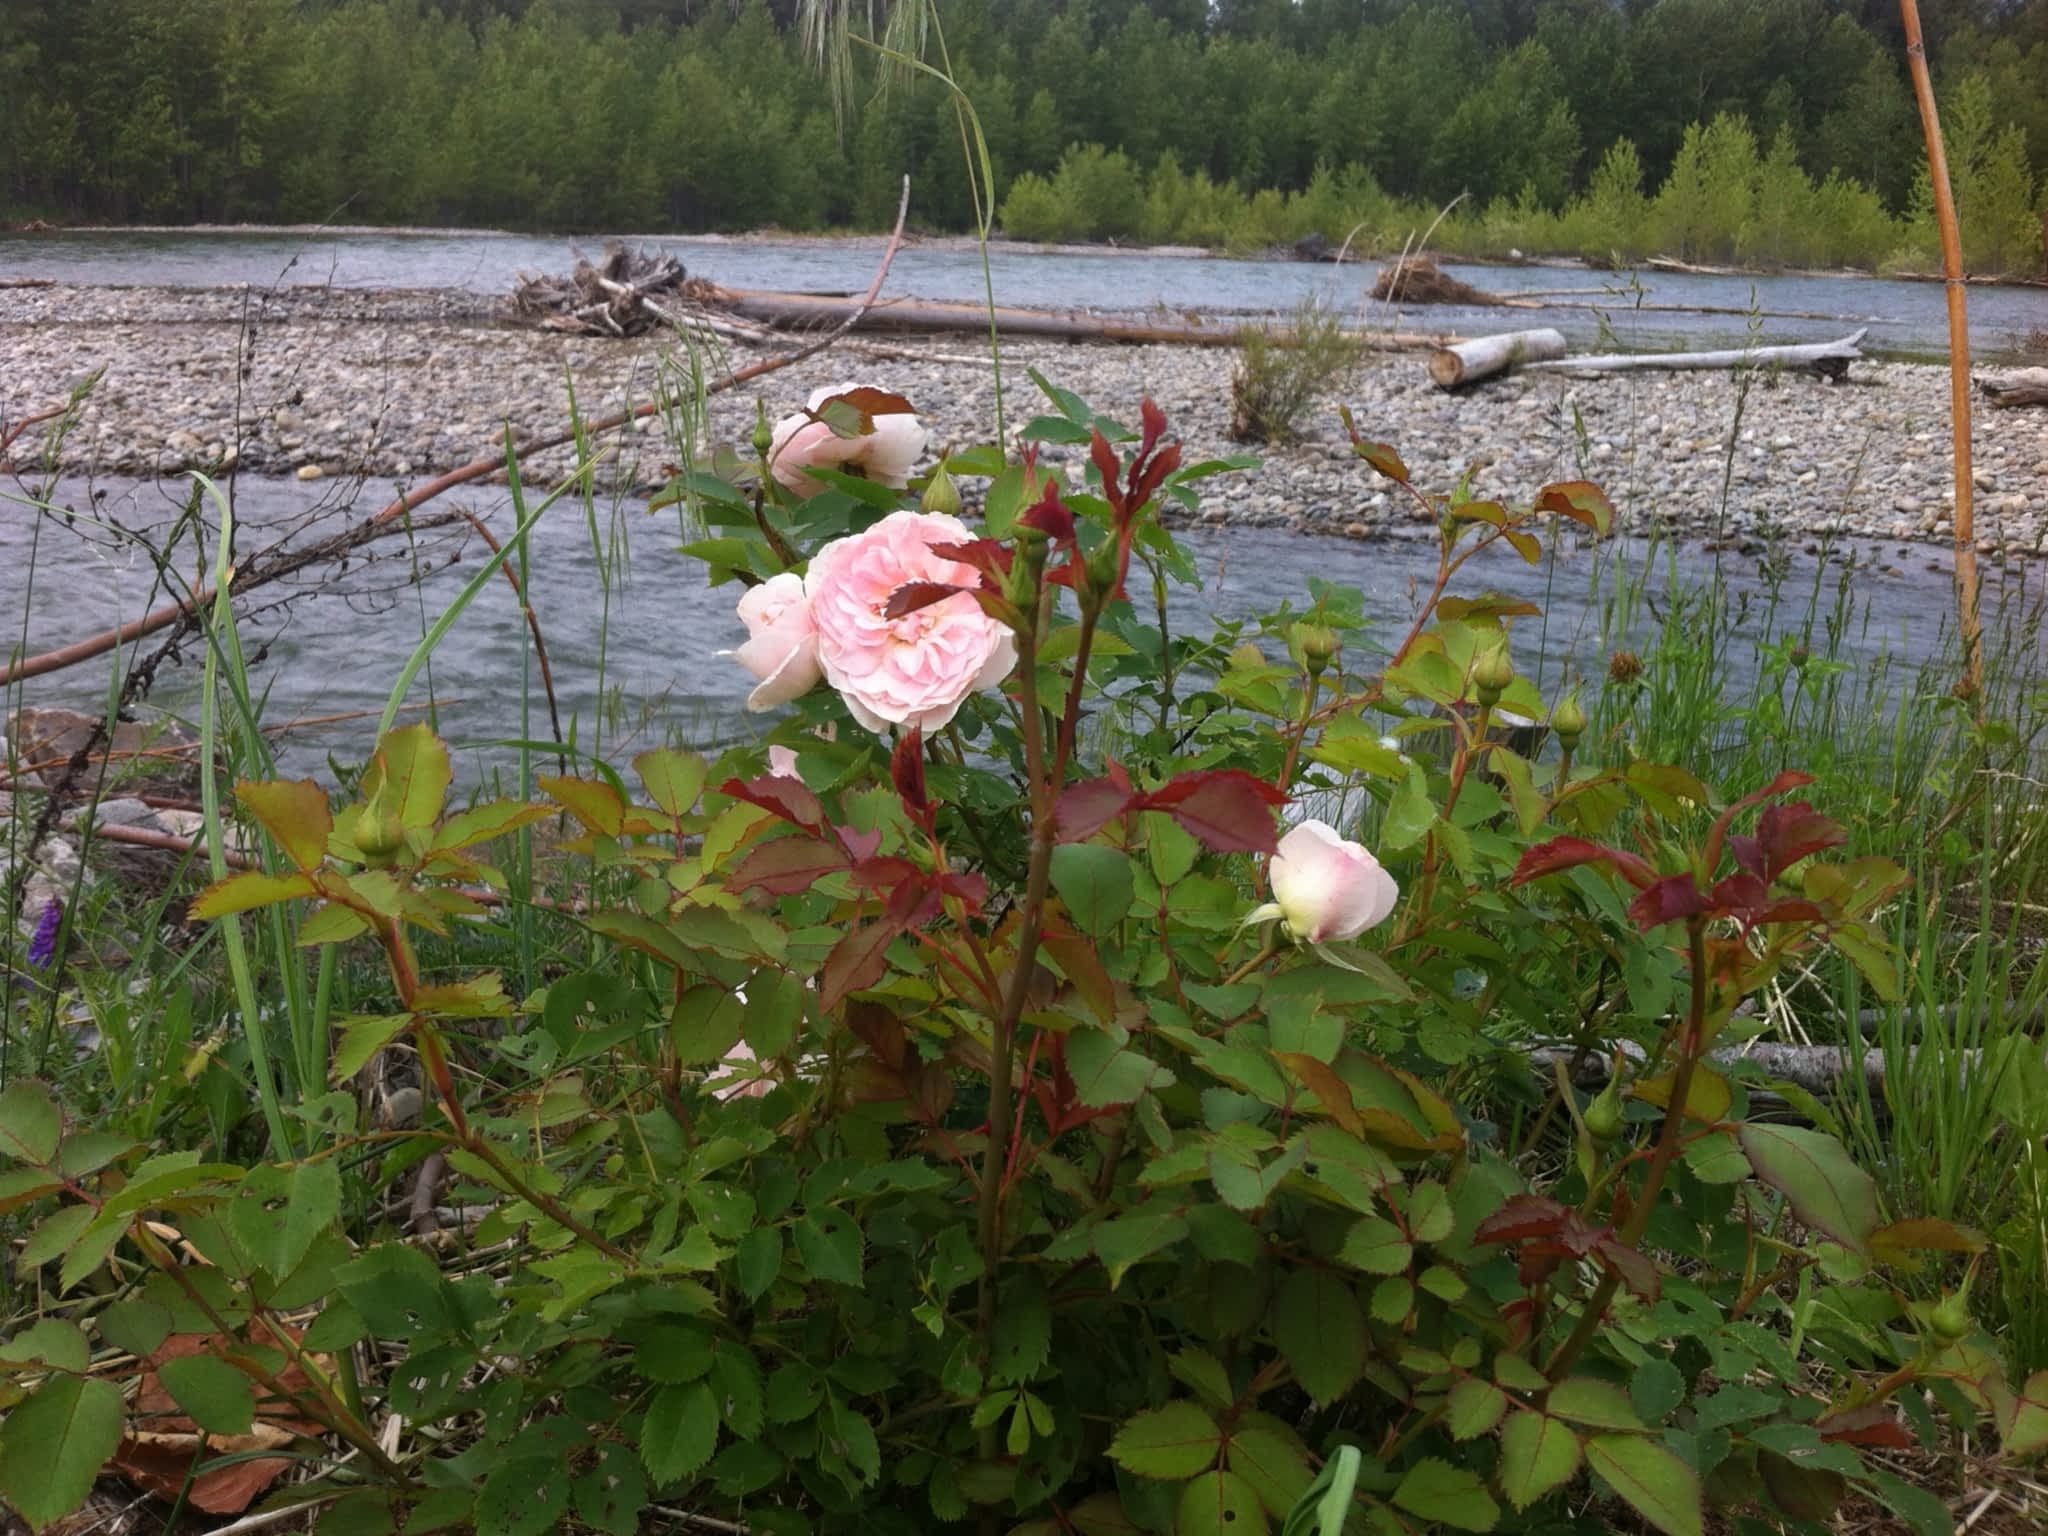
(1963, 525)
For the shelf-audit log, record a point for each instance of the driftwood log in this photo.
(1467, 362)
(2029, 386)
(810, 309)
(1828, 357)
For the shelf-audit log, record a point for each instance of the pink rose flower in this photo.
(781, 648)
(1327, 888)
(914, 671)
(885, 455)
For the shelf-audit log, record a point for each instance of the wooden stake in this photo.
(1964, 526)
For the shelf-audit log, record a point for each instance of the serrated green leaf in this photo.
(1825, 1189)
(1169, 1443)
(218, 1397)
(278, 1212)
(1315, 1321)
(1657, 1387)
(53, 1445)
(1651, 1480)
(362, 1038)
(1538, 1455)
(523, 1497)
(54, 1236)
(1219, 1504)
(30, 1122)
(680, 1431)
(1473, 1407)
(829, 1244)
(1095, 883)
(1593, 1403)
(1437, 1491)
(1272, 1459)
(1376, 1246)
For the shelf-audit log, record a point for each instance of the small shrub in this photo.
(1032, 210)
(1279, 377)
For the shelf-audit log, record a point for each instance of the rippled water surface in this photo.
(644, 660)
(1901, 316)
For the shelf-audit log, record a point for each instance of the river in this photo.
(643, 658)
(1905, 318)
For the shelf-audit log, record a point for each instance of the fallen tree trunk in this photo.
(1467, 362)
(803, 309)
(2027, 387)
(1829, 357)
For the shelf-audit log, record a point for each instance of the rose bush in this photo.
(924, 1142)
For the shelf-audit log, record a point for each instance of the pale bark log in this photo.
(799, 309)
(2029, 386)
(1799, 354)
(1467, 362)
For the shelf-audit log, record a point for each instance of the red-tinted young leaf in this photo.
(987, 556)
(1145, 482)
(914, 595)
(858, 845)
(1783, 784)
(1379, 455)
(1866, 1424)
(1229, 810)
(1580, 500)
(1570, 852)
(971, 890)
(1785, 834)
(885, 873)
(874, 402)
(1153, 420)
(906, 771)
(787, 798)
(1521, 1217)
(1667, 901)
(1631, 1268)
(1049, 515)
(1089, 806)
(1104, 459)
(857, 961)
(1794, 909)
(784, 866)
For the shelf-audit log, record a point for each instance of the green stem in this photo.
(1691, 1048)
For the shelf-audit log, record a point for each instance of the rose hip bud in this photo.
(1317, 644)
(764, 435)
(1247, 658)
(1603, 1116)
(1568, 720)
(1492, 673)
(941, 493)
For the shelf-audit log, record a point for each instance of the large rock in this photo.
(147, 756)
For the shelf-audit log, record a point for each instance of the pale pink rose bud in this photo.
(1327, 888)
(886, 455)
(913, 671)
(782, 647)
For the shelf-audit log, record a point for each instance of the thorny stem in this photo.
(1045, 789)
(337, 1417)
(405, 975)
(1691, 1048)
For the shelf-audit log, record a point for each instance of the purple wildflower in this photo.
(42, 948)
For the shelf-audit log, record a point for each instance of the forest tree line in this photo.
(1764, 131)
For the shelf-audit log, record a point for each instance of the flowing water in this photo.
(1648, 310)
(633, 631)
(641, 661)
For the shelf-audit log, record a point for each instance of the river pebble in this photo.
(407, 383)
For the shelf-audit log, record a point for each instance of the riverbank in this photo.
(326, 383)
